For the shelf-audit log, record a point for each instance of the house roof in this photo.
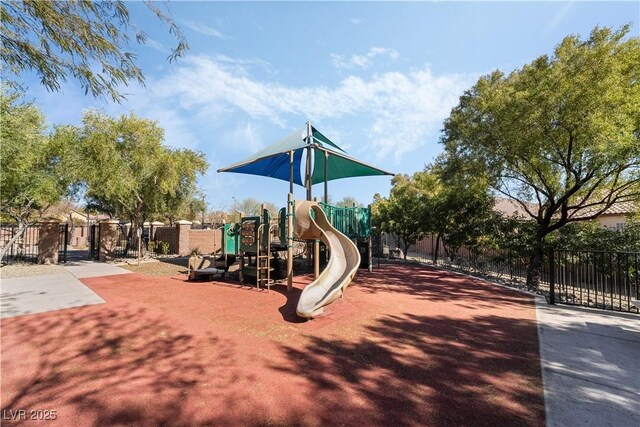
(511, 208)
(622, 208)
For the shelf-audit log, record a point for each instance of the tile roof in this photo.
(512, 208)
(622, 208)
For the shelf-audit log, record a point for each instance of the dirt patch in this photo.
(168, 267)
(26, 270)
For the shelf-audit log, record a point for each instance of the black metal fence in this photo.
(63, 241)
(94, 241)
(155, 242)
(599, 279)
(491, 262)
(23, 249)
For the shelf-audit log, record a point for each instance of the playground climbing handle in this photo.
(341, 268)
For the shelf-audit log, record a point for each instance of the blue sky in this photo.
(378, 78)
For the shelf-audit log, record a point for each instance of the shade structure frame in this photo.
(284, 160)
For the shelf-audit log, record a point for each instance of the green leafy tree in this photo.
(252, 207)
(349, 202)
(185, 202)
(591, 236)
(562, 132)
(403, 212)
(463, 217)
(129, 172)
(34, 174)
(461, 212)
(86, 40)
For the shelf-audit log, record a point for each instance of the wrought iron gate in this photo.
(63, 241)
(94, 242)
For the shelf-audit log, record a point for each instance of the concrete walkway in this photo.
(83, 269)
(590, 366)
(39, 294)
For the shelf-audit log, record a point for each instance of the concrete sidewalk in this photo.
(84, 268)
(590, 366)
(39, 294)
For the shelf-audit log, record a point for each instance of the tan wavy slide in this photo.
(341, 268)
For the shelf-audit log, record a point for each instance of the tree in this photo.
(34, 175)
(62, 39)
(562, 133)
(591, 236)
(404, 211)
(252, 207)
(186, 202)
(128, 171)
(349, 202)
(462, 216)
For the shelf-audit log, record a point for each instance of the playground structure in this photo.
(259, 237)
(341, 268)
(344, 232)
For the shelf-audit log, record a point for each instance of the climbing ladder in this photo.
(255, 243)
(263, 259)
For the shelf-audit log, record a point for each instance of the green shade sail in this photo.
(322, 140)
(340, 166)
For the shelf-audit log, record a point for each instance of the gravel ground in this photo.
(163, 267)
(168, 267)
(26, 270)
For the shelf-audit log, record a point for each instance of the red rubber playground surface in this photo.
(408, 345)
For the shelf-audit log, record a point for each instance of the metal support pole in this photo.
(371, 254)
(308, 166)
(326, 186)
(290, 242)
(66, 242)
(552, 278)
(204, 208)
(316, 258)
(291, 171)
(356, 221)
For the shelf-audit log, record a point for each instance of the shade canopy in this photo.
(275, 160)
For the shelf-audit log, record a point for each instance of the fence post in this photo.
(108, 233)
(552, 278)
(182, 238)
(66, 241)
(48, 241)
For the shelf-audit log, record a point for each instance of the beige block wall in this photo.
(48, 242)
(207, 241)
(610, 221)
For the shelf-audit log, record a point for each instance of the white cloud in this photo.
(204, 29)
(363, 61)
(356, 21)
(155, 45)
(400, 110)
(558, 17)
(244, 65)
(245, 138)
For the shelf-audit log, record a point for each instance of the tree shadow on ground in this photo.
(109, 366)
(428, 283)
(419, 370)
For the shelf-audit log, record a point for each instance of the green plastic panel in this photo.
(353, 222)
(231, 238)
